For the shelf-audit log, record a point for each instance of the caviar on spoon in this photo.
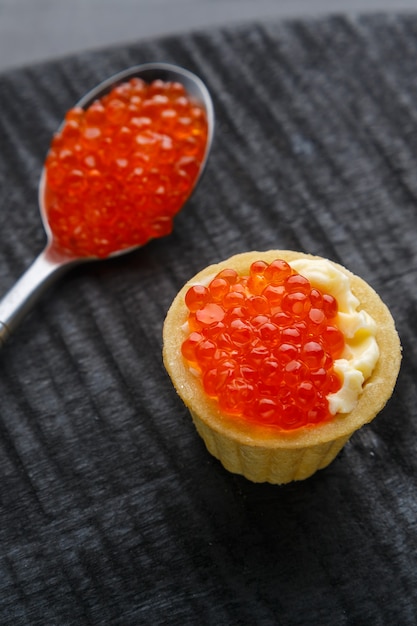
(122, 164)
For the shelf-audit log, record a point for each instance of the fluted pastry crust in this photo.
(263, 453)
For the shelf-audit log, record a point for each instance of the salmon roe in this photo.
(120, 170)
(265, 344)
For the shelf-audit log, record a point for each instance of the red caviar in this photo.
(119, 171)
(265, 345)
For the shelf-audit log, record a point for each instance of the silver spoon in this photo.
(53, 262)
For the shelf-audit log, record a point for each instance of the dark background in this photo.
(34, 30)
(111, 510)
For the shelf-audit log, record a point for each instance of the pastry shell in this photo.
(267, 454)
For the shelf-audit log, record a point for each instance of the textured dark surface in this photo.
(112, 512)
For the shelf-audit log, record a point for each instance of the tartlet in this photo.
(264, 453)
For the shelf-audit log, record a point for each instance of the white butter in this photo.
(361, 350)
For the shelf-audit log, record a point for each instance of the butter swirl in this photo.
(361, 349)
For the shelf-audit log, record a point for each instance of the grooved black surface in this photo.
(112, 512)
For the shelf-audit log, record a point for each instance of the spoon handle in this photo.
(48, 266)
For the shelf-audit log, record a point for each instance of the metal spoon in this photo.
(53, 262)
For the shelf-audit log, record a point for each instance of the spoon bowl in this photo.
(52, 262)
